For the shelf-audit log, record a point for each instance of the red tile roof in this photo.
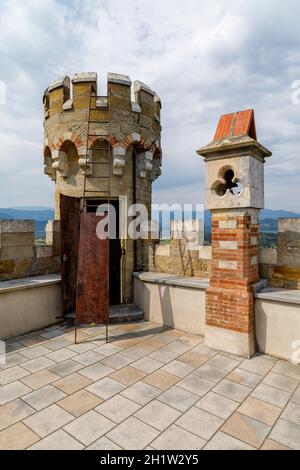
(236, 124)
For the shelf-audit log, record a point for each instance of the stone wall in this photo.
(280, 266)
(20, 257)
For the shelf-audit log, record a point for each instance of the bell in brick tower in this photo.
(98, 148)
(234, 192)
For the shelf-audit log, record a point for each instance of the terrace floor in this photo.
(149, 388)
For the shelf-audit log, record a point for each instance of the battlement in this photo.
(60, 98)
(125, 117)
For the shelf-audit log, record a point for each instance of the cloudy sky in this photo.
(203, 58)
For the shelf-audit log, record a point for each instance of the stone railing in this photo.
(20, 257)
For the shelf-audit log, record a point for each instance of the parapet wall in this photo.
(280, 266)
(20, 257)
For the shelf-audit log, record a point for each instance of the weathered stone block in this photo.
(16, 226)
(16, 252)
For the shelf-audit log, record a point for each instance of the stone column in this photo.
(234, 194)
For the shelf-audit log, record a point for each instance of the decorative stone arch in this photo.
(61, 155)
(110, 138)
(48, 170)
(58, 143)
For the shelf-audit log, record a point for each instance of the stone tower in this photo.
(82, 128)
(234, 192)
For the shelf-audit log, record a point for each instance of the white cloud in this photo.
(203, 58)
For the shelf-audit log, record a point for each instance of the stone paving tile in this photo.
(39, 379)
(222, 441)
(135, 352)
(55, 345)
(286, 433)
(54, 333)
(292, 413)
(280, 381)
(106, 388)
(205, 351)
(191, 340)
(152, 344)
(81, 347)
(210, 373)
(200, 422)
(108, 349)
(178, 398)
(118, 408)
(223, 362)
(103, 444)
(296, 396)
(178, 368)
(232, 390)
(272, 395)
(79, 402)
(59, 440)
(14, 411)
(72, 383)
(43, 397)
(258, 364)
(88, 358)
(163, 356)
(32, 340)
(244, 377)
(13, 360)
(34, 365)
(12, 374)
(48, 420)
(12, 391)
(193, 358)
(177, 347)
(176, 438)
(96, 371)
(133, 434)
(196, 385)
(35, 351)
(217, 404)
(161, 379)
(117, 361)
(13, 346)
(128, 375)
(246, 429)
(89, 427)
(65, 368)
(61, 355)
(158, 415)
(260, 410)
(147, 365)
(286, 368)
(141, 393)
(269, 444)
(17, 437)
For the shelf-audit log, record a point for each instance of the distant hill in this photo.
(276, 214)
(26, 213)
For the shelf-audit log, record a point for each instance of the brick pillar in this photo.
(229, 299)
(234, 194)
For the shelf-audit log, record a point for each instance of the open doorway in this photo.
(70, 210)
(115, 252)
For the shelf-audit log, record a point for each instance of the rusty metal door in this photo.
(92, 301)
(69, 229)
